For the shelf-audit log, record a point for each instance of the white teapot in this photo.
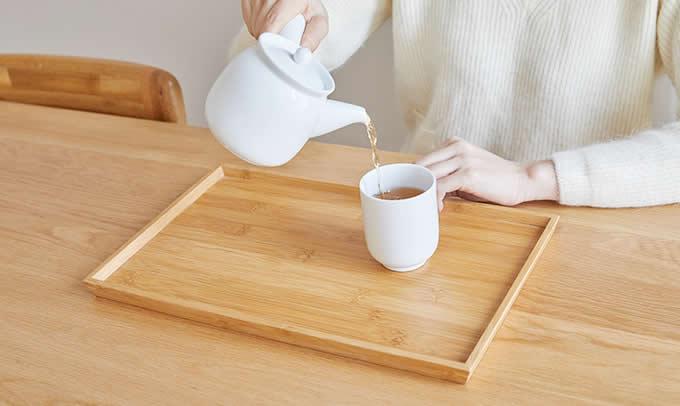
(271, 99)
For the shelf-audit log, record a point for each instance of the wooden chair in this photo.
(98, 85)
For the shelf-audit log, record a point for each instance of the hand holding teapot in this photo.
(272, 98)
(272, 15)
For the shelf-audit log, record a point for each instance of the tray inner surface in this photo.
(293, 251)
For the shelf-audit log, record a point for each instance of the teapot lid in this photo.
(296, 64)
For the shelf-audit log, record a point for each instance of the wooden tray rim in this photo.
(452, 370)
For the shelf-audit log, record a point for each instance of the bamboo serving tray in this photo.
(285, 258)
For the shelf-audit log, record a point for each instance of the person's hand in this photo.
(473, 173)
(272, 15)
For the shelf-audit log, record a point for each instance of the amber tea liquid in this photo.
(399, 193)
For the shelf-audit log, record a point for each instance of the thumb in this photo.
(448, 184)
(280, 14)
(316, 30)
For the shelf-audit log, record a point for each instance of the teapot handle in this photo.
(294, 29)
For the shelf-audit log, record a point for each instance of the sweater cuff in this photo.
(572, 178)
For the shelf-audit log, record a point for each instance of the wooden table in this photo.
(598, 322)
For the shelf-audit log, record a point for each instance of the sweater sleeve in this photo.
(640, 170)
(350, 23)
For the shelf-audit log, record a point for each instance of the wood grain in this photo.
(99, 85)
(497, 320)
(595, 324)
(284, 258)
(146, 234)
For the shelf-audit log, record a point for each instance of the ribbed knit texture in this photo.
(527, 79)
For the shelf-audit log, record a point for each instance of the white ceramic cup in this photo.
(400, 234)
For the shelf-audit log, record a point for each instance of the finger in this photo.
(316, 30)
(445, 152)
(245, 10)
(445, 168)
(247, 13)
(447, 195)
(258, 11)
(259, 17)
(470, 197)
(281, 13)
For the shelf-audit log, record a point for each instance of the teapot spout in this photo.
(335, 114)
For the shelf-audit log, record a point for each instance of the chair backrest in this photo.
(98, 85)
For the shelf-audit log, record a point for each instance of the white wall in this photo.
(191, 38)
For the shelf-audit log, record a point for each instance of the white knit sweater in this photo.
(533, 79)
